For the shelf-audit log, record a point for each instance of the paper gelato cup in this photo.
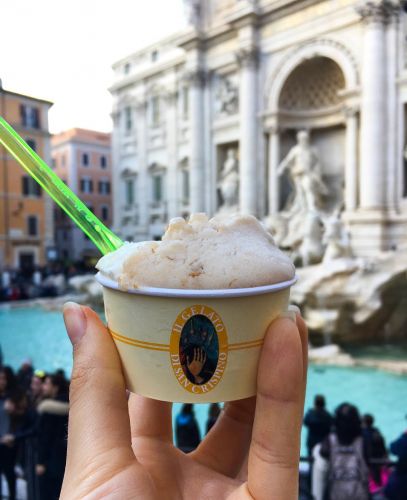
(191, 346)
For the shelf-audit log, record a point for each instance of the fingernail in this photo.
(289, 315)
(75, 321)
(294, 308)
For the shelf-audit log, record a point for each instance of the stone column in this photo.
(248, 59)
(373, 151)
(351, 161)
(394, 151)
(273, 162)
(171, 140)
(142, 185)
(117, 198)
(196, 80)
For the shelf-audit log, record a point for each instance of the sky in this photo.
(63, 50)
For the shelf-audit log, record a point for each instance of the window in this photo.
(32, 144)
(129, 185)
(90, 207)
(185, 102)
(86, 185)
(103, 162)
(30, 116)
(185, 186)
(154, 55)
(85, 159)
(155, 110)
(32, 225)
(128, 121)
(30, 187)
(104, 187)
(105, 212)
(157, 188)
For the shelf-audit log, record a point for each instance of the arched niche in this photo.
(310, 92)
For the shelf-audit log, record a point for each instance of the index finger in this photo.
(275, 448)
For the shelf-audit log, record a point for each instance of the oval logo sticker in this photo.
(198, 349)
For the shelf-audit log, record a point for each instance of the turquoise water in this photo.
(40, 335)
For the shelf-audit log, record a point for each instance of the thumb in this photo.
(98, 419)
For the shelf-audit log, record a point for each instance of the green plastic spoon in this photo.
(102, 237)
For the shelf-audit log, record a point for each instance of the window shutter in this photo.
(107, 187)
(82, 185)
(32, 225)
(22, 114)
(90, 186)
(36, 113)
(25, 185)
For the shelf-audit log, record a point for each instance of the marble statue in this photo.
(193, 12)
(229, 182)
(305, 173)
(294, 227)
(336, 240)
(311, 249)
(228, 96)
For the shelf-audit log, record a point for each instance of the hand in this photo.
(196, 364)
(40, 469)
(124, 449)
(8, 440)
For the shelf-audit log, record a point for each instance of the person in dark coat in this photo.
(52, 436)
(24, 374)
(35, 392)
(396, 488)
(8, 453)
(186, 429)
(21, 437)
(318, 421)
(214, 412)
(375, 447)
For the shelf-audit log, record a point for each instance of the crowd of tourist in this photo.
(347, 454)
(349, 457)
(33, 423)
(49, 281)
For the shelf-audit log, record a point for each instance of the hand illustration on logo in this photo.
(196, 363)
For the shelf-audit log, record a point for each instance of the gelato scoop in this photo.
(223, 252)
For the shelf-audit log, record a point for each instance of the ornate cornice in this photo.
(248, 56)
(382, 12)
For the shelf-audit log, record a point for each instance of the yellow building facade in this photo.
(26, 224)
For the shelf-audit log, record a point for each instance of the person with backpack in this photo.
(344, 450)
